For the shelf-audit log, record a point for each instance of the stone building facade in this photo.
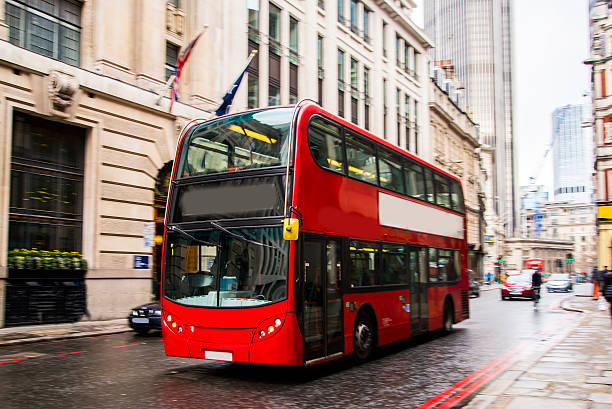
(453, 136)
(85, 82)
(600, 19)
(550, 251)
(569, 221)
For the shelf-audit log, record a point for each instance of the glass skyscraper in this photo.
(572, 151)
(475, 37)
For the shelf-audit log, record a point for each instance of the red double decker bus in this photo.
(294, 237)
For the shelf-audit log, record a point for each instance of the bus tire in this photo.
(363, 337)
(447, 323)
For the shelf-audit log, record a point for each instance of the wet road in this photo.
(131, 371)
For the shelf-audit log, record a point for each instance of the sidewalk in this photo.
(565, 370)
(38, 333)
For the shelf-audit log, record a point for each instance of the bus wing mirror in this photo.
(291, 229)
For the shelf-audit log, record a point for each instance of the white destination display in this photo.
(406, 214)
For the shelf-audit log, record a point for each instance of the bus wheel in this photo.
(363, 337)
(447, 324)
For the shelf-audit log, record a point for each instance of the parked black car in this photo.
(474, 288)
(145, 317)
(474, 285)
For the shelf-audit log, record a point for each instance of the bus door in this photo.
(417, 265)
(322, 272)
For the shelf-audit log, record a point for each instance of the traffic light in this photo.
(569, 257)
(500, 260)
(559, 263)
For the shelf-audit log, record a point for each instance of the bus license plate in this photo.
(218, 355)
(140, 320)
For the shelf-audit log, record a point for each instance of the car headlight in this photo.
(135, 313)
(157, 312)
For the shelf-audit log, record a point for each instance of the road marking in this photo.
(72, 353)
(125, 346)
(14, 360)
(501, 362)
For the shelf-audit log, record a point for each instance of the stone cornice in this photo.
(25, 60)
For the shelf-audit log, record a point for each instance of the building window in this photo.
(321, 4)
(52, 29)
(274, 29)
(253, 86)
(354, 27)
(407, 120)
(406, 57)
(398, 49)
(385, 28)
(398, 99)
(254, 24)
(366, 91)
(320, 69)
(385, 109)
(293, 60)
(416, 127)
(172, 52)
(415, 63)
(366, 24)
(341, 11)
(253, 70)
(274, 56)
(46, 194)
(354, 91)
(340, 82)
(175, 3)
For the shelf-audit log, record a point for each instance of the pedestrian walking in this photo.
(606, 288)
(595, 281)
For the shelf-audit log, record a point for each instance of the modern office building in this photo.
(600, 22)
(474, 37)
(572, 156)
(87, 139)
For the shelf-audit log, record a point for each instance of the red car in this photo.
(517, 286)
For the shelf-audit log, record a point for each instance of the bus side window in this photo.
(429, 186)
(363, 264)
(415, 183)
(361, 160)
(393, 265)
(390, 173)
(442, 191)
(457, 196)
(433, 266)
(325, 145)
(445, 264)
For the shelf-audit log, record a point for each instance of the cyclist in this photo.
(536, 283)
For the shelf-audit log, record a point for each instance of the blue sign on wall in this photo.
(141, 262)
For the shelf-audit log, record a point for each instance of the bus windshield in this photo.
(244, 141)
(226, 268)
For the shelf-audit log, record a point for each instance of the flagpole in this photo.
(172, 77)
(228, 97)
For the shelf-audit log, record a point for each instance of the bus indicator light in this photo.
(270, 329)
(277, 322)
(262, 333)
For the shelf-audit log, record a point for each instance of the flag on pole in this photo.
(231, 92)
(180, 63)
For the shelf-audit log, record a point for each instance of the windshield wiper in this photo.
(240, 237)
(184, 233)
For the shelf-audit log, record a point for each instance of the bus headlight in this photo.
(267, 328)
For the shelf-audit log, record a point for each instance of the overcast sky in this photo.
(551, 40)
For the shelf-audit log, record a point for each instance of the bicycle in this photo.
(536, 297)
